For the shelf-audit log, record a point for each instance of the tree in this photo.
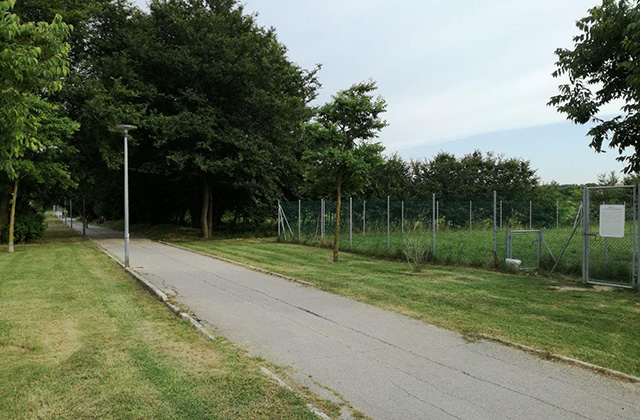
(608, 179)
(603, 67)
(34, 61)
(44, 166)
(226, 110)
(342, 157)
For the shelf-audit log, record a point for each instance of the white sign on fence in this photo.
(612, 220)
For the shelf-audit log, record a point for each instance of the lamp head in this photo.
(126, 127)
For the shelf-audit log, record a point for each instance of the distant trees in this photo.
(341, 156)
(472, 176)
(604, 66)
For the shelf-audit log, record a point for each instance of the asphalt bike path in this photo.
(384, 364)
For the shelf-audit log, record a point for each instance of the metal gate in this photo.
(528, 248)
(610, 236)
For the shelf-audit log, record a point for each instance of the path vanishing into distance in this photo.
(385, 365)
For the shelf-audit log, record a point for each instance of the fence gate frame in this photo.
(509, 244)
(587, 234)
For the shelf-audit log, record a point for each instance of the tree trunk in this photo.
(4, 211)
(204, 218)
(337, 232)
(12, 218)
(210, 213)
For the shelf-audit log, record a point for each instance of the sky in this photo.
(457, 75)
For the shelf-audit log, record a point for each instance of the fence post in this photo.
(388, 227)
(350, 222)
(530, 216)
(438, 215)
(279, 217)
(470, 216)
(84, 219)
(402, 216)
(585, 234)
(495, 229)
(433, 223)
(500, 214)
(299, 220)
(557, 214)
(71, 211)
(322, 216)
(364, 217)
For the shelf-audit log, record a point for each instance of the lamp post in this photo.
(125, 129)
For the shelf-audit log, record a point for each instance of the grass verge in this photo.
(80, 339)
(595, 324)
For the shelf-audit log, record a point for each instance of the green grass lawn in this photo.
(598, 325)
(80, 339)
(611, 259)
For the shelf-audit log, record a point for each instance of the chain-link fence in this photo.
(495, 232)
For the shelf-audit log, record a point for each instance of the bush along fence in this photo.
(546, 237)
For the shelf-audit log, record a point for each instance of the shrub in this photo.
(416, 250)
(28, 227)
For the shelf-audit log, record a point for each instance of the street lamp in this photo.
(125, 129)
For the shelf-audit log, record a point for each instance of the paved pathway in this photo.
(384, 364)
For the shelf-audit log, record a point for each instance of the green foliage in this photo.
(46, 165)
(340, 154)
(34, 62)
(213, 94)
(29, 226)
(473, 176)
(227, 109)
(603, 67)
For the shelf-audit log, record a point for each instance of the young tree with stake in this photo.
(342, 157)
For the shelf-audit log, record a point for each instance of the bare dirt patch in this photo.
(582, 289)
(9, 348)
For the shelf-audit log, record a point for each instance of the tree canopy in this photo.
(603, 68)
(33, 62)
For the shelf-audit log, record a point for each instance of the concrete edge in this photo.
(286, 386)
(558, 357)
(195, 323)
(250, 267)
